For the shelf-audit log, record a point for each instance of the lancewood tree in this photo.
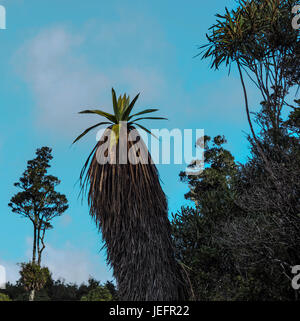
(259, 39)
(130, 208)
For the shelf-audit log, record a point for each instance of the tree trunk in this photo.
(130, 208)
(142, 256)
(32, 295)
(34, 249)
(34, 244)
(41, 244)
(38, 243)
(258, 145)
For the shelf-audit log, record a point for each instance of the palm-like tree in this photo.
(258, 38)
(130, 209)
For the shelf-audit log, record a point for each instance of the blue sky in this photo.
(58, 57)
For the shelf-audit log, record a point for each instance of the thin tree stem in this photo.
(267, 164)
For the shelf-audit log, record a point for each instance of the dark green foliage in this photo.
(33, 276)
(112, 289)
(195, 230)
(215, 181)
(15, 291)
(101, 293)
(58, 290)
(293, 122)
(38, 201)
(38, 190)
(243, 237)
(254, 32)
(4, 297)
(267, 237)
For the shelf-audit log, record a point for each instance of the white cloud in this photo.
(74, 265)
(65, 220)
(11, 269)
(66, 262)
(63, 80)
(147, 81)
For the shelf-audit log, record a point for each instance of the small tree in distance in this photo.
(38, 201)
(4, 297)
(33, 277)
(101, 293)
